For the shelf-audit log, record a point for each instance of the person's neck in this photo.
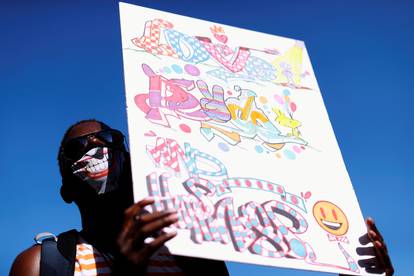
(101, 234)
(101, 225)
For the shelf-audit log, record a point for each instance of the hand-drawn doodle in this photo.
(285, 121)
(334, 221)
(289, 67)
(331, 218)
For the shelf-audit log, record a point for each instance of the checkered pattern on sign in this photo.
(168, 151)
(197, 52)
(150, 41)
(255, 69)
(235, 62)
(260, 69)
(192, 154)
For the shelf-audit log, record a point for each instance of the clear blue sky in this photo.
(60, 61)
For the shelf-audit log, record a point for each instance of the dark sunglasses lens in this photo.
(75, 147)
(112, 137)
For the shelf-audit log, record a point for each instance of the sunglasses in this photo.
(75, 148)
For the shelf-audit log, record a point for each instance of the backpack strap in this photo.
(58, 257)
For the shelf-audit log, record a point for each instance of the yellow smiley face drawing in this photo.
(331, 218)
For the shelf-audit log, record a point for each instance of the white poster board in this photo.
(228, 127)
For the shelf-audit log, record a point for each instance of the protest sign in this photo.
(228, 127)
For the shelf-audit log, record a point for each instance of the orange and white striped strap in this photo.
(90, 262)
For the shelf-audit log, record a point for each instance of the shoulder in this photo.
(27, 263)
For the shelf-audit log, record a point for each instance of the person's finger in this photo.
(153, 227)
(380, 253)
(144, 202)
(131, 212)
(383, 255)
(364, 239)
(373, 236)
(366, 251)
(380, 243)
(125, 246)
(150, 217)
(389, 271)
(136, 208)
(375, 270)
(371, 262)
(383, 258)
(153, 246)
(148, 225)
(372, 226)
(128, 231)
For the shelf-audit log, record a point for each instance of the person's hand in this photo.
(138, 226)
(380, 261)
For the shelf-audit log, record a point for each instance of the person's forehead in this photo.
(83, 129)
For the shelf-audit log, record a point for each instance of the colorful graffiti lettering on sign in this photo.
(232, 59)
(168, 97)
(231, 62)
(213, 103)
(232, 119)
(249, 121)
(271, 229)
(256, 69)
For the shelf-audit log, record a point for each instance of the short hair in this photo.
(60, 152)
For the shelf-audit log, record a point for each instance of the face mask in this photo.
(101, 168)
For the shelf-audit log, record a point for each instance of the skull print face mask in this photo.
(101, 168)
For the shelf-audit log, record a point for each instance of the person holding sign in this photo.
(119, 237)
